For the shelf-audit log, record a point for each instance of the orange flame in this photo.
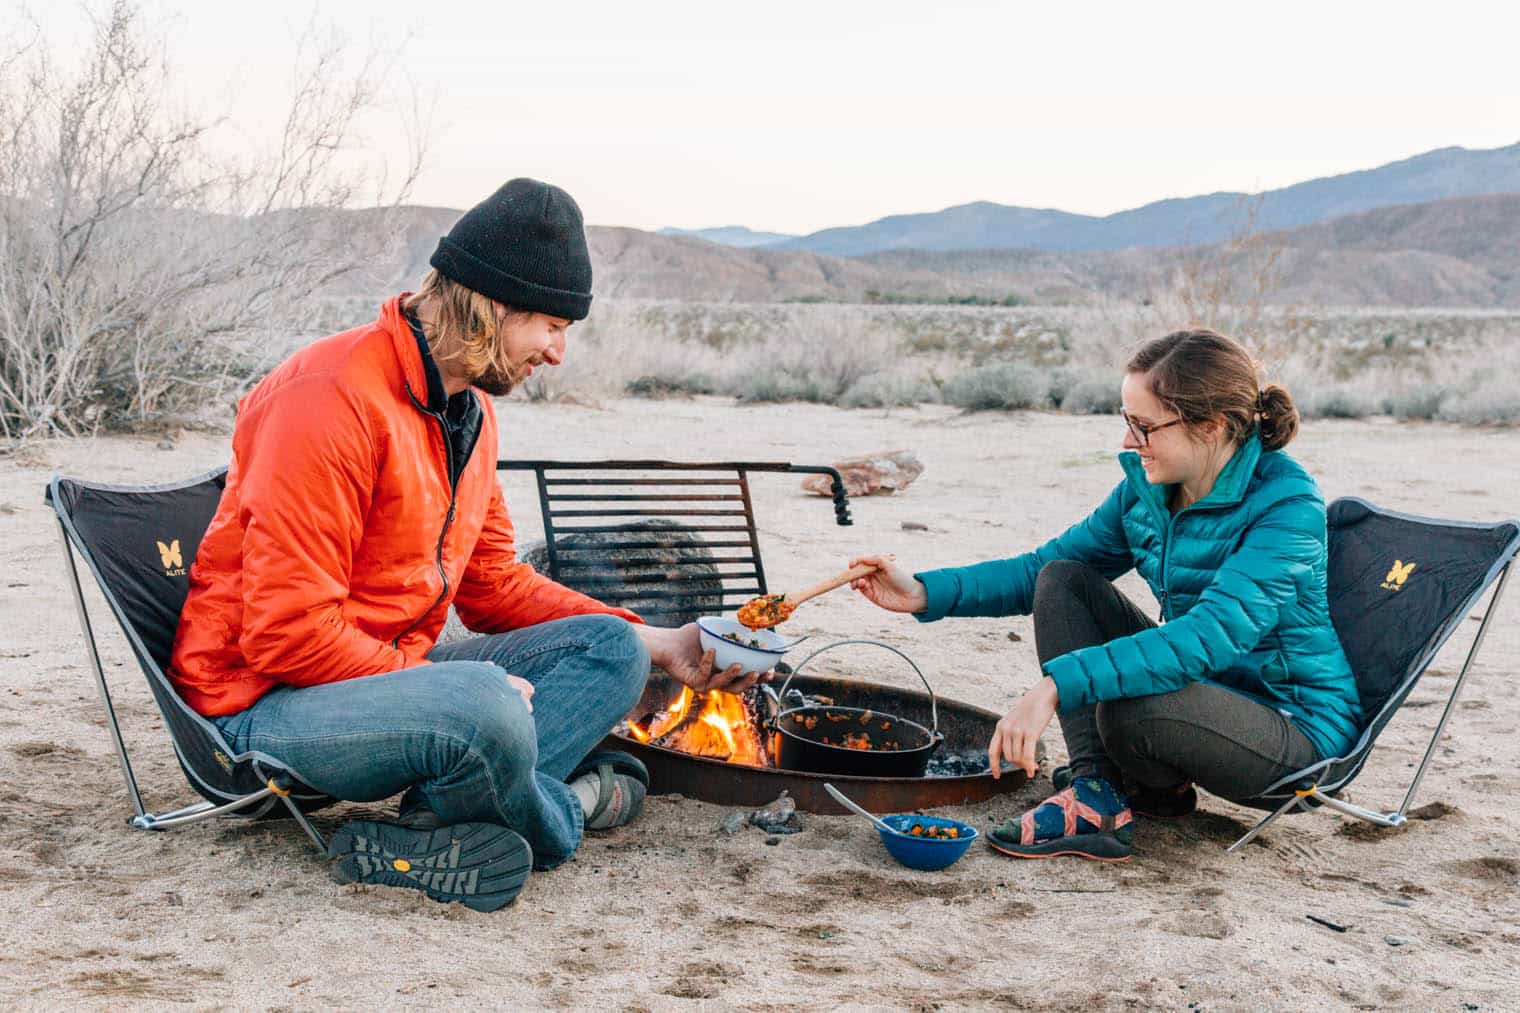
(722, 729)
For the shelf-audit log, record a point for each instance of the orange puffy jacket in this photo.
(336, 548)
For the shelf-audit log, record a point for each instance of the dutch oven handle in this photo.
(933, 705)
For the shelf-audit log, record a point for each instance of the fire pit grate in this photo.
(967, 730)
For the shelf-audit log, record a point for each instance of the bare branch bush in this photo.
(144, 273)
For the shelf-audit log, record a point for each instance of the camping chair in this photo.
(139, 542)
(1399, 587)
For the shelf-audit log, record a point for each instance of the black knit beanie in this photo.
(525, 246)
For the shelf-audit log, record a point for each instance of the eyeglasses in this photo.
(1141, 431)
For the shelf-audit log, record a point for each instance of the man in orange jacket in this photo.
(361, 502)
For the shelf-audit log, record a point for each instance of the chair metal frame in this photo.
(1304, 790)
(281, 782)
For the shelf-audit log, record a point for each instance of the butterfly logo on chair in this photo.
(1397, 575)
(173, 560)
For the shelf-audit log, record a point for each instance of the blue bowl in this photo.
(926, 853)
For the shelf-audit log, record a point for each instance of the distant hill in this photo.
(731, 235)
(1459, 252)
(1211, 218)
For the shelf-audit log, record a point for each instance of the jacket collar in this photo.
(1229, 488)
(414, 376)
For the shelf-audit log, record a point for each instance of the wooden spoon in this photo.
(769, 609)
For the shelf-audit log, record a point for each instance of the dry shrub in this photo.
(1496, 402)
(1093, 397)
(1004, 386)
(885, 390)
(142, 274)
(1419, 401)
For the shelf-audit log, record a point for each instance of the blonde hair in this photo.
(464, 326)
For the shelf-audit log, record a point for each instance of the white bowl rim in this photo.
(701, 621)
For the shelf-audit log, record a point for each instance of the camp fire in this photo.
(714, 724)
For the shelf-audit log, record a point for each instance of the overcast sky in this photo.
(796, 116)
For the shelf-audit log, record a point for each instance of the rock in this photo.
(914, 526)
(732, 823)
(773, 841)
(780, 817)
(679, 556)
(165, 444)
(889, 471)
(1013, 635)
(1400, 940)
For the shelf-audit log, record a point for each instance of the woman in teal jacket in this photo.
(1243, 681)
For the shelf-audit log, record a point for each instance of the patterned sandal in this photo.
(1152, 803)
(1090, 819)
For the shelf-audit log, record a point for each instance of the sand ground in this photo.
(671, 914)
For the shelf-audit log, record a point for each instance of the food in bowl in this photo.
(939, 842)
(733, 644)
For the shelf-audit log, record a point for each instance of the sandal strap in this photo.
(606, 790)
(1073, 812)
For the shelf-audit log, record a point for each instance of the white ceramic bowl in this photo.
(754, 659)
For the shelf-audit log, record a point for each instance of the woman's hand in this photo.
(1016, 735)
(679, 652)
(892, 586)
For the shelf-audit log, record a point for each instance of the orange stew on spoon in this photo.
(765, 611)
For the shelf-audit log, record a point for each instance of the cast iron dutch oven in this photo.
(829, 739)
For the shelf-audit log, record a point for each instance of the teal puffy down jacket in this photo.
(1241, 580)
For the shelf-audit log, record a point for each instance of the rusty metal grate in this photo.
(688, 529)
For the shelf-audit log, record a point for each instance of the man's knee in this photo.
(621, 651)
(481, 711)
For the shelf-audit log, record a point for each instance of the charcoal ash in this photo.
(965, 764)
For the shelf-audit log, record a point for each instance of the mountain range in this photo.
(1183, 221)
(1454, 249)
(731, 235)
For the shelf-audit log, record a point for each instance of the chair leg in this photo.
(197, 812)
(1451, 703)
(1393, 819)
(100, 676)
(1259, 827)
(300, 817)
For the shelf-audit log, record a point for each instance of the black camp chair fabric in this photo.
(139, 542)
(1399, 586)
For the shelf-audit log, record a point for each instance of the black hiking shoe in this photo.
(480, 865)
(1154, 803)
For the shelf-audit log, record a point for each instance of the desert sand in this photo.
(671, 914)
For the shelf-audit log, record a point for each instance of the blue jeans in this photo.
(459, 733)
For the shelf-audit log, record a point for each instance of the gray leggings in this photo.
(1226, 743)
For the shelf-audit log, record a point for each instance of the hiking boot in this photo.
(1089, 819)
(481, 865)
(1152, 803)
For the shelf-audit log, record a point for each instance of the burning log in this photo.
(715, 724)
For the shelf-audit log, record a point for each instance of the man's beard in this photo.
(495, 382)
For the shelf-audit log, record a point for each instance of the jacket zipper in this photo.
(448, 520)
(1166, 550)
(1166, 555)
